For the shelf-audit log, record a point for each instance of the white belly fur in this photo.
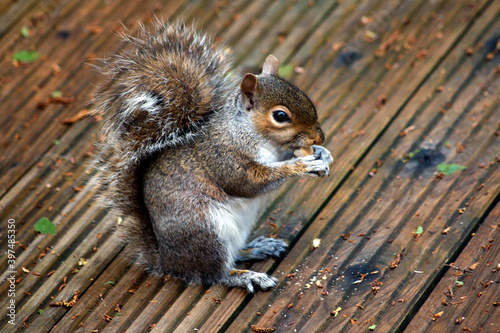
(233, 221)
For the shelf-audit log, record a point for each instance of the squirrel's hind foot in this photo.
(262, 248)
(243, 278)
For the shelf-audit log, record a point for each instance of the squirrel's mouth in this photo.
(298, 146)
(293, 145)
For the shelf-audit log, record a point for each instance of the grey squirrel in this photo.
(188, 151)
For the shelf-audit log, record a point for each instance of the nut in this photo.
(303, 151)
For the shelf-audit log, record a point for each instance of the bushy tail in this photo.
(158, 95)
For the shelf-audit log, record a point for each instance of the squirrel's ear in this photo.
(270, 65)
(250, 89)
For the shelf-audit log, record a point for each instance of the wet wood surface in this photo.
(402, 87)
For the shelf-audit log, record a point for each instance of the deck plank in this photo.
(44, 142)
(27, 143)
(10, 14)
(353, 212)
(92, 297)
(38, 24)
(193, 314)
(50, 180)
(473, 303)
(342, 199)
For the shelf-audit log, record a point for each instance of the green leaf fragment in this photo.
(56, 142)
(40, 311)
(26, 56)
(285, 71)
(413, 153)
(25, 32)
(118, 314)
(45, 226)
(110, 282)
(449, 169)
(420, 230)
(459, 283)
(56, 93)
(372, 328)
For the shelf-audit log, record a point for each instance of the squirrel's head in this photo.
(280, 111)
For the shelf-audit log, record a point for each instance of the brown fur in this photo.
(182, 140)
(185, 76)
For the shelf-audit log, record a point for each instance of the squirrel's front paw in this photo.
(314, 166)
(262, 248)
(322, 154)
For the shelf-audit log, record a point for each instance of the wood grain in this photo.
(470, 305)
(390, 117)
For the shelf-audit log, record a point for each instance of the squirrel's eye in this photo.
(281, 116)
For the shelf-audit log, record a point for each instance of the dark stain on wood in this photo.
(387, 77)
(347, 58)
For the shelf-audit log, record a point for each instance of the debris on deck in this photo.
(404, 234)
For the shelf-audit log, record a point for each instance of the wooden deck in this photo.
(401, 86)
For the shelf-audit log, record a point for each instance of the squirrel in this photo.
(188, 151)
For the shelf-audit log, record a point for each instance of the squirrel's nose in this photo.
(319, 138)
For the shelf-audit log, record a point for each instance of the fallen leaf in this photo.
(25, 32)
(26, 56)
(45, 226)
(55, 94)
(79, 116)
(285, 71)
(449, 169)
